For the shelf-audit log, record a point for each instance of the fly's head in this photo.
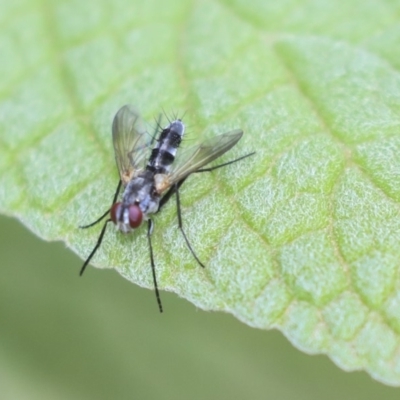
(126, 217)
(140, 199)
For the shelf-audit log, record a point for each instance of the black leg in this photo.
(175, 189)
(153, 268)
(99, 240)
(170, 192)
(172, 189)
(224, 164)
(178, 206)
(106, 213)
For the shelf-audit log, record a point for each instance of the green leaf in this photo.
(303, 236)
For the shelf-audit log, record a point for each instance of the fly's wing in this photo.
(129, 140)
(197, 157)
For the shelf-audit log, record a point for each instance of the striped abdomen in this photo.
(163, 154)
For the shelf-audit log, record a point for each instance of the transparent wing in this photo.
(131, 142)
(194, 158)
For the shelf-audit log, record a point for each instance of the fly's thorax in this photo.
(138, 188)
(164, 152)
(139, 199)
(141, 191)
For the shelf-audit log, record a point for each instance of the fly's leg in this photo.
(172, 189)
(107, 212)
(178, 206)
(169, 193)
(224, 164)
(175, 189)
(99, 240)
(153, 268)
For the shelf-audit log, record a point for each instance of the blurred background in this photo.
(100, 337)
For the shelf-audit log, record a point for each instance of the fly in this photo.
(149, 186)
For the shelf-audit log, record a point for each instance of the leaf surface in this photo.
(303, 236)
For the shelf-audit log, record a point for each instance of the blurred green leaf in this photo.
(303, 236)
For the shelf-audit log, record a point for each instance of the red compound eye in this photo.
(135, 216)
(113, 212)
